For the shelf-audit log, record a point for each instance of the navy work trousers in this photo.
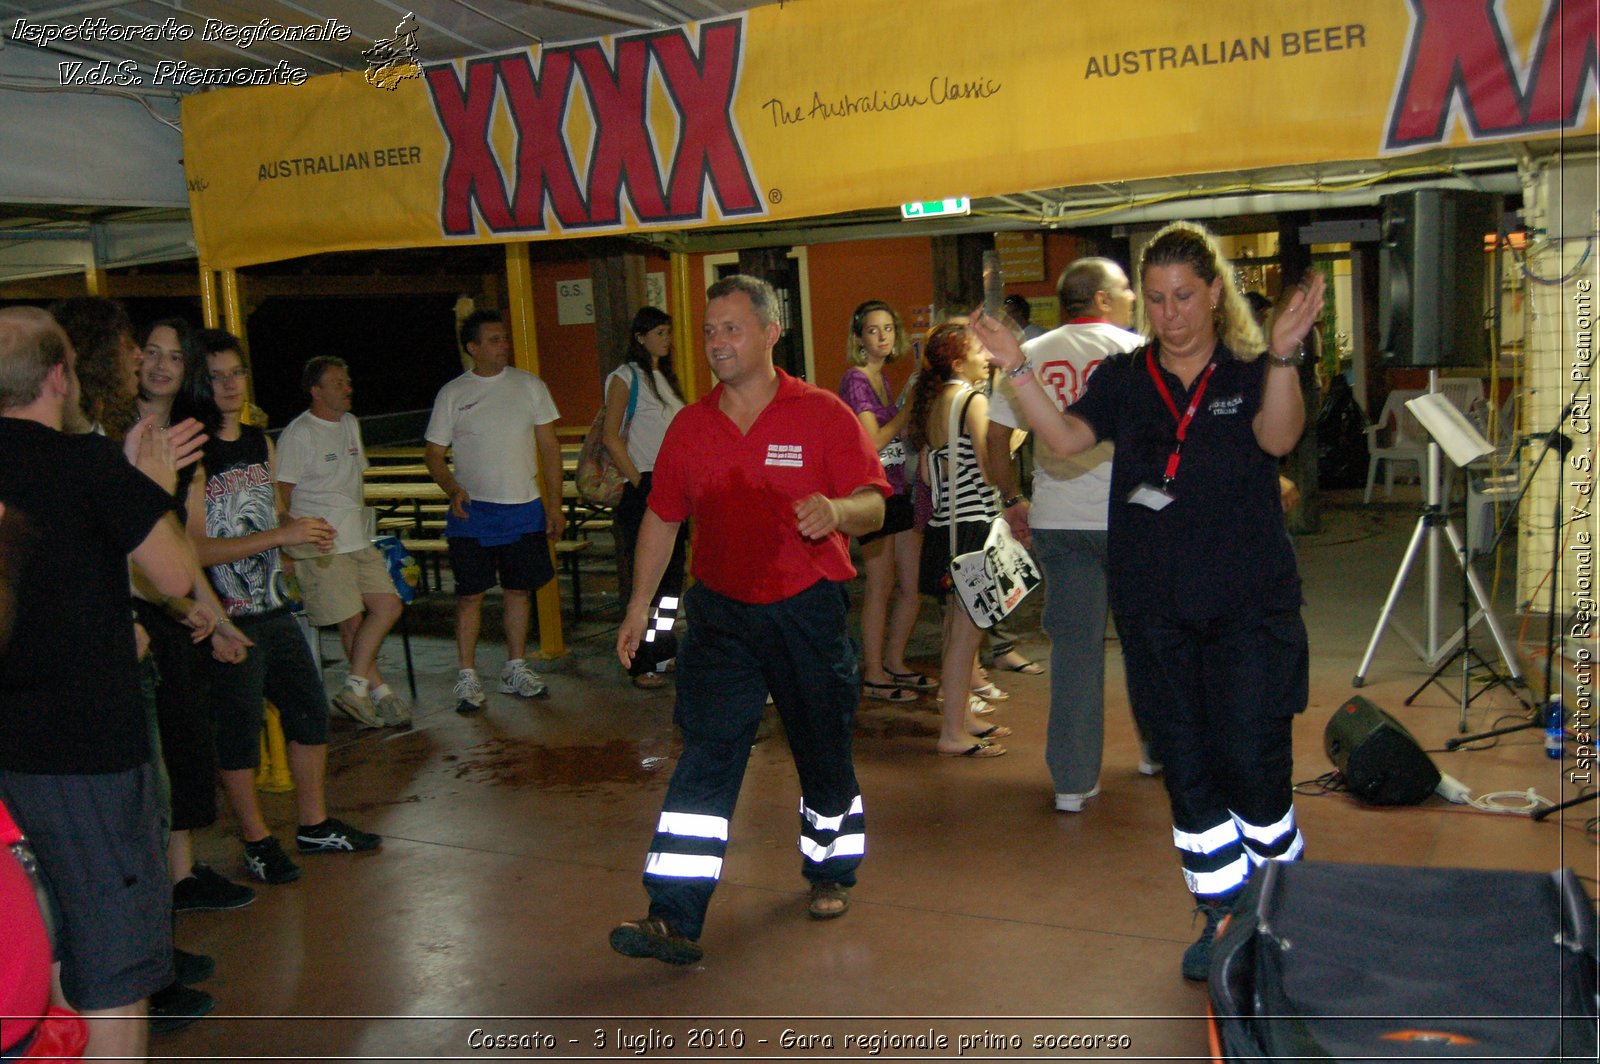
(733, 654)
(1217, 700)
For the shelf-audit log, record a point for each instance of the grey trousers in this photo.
(1074, 562)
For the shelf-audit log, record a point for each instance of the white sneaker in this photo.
(1073, 803)
(393, 711)
(1148, 766)
(468, 691)
(517, 679)
(358, 708)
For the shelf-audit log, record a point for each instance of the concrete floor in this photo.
(515, 840)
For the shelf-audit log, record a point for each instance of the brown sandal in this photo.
(649, 681)
(824, 896)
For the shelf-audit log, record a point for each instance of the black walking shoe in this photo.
(267, 862)
(205, 890)
(177, 1007)
(335, 836)
(192, 968)
(652, 937)
(1197, 958)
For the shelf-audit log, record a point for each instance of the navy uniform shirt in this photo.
(1221, 547)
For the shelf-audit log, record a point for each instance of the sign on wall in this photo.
(575, 298)
(734, 120)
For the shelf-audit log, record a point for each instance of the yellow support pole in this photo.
(95, 282)
(273, 774)
(210, 308)
(685, 344)
(233, 307)
(234, 317)
(525, 351)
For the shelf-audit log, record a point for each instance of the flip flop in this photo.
(993, 731)
(914, 680)
(1027, 668)
(649, 681)
(887, 692)
(983, 749)
(990, 693)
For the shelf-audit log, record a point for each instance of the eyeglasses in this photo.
(222, 376)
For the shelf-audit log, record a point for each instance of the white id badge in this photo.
(1150, 496)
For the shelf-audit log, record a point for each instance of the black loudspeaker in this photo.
(1379, 760)
(1431, 267)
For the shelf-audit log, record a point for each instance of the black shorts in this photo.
(897, 515)
(933, 575)
(521, 566)
(279, 668)
(104, 864)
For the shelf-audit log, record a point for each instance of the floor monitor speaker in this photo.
(1379, 760)
(1431, 270)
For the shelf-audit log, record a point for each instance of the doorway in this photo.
(793, 353)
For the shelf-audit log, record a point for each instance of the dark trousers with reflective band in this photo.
(1217, 701)
(732, 655)
(659, 644)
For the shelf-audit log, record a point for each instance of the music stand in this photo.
(1431, 523)
(1460, 439)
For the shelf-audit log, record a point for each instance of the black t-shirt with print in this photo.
(69, 688)
(1221, 547)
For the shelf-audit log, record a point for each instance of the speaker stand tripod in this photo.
(1433, 523)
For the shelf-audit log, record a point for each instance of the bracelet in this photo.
(1020, 370)
(1295, 359)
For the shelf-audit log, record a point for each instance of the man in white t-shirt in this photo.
(320, 462)
(499, 422)
(1066, 522)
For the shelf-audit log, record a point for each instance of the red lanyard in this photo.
(1087, 321)
(1188, 415)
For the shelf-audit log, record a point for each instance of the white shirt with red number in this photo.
(1067, 492)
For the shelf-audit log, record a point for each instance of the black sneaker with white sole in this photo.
(267, 862)
(335, 836)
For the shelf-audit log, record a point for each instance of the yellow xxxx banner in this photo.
(824, 106)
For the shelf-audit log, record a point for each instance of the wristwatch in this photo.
(1295, 359)
(1009, 503)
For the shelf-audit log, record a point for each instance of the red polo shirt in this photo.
(741, 489)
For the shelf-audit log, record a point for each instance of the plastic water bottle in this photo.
(1554, 737)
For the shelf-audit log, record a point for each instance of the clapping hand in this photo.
(1294, 322)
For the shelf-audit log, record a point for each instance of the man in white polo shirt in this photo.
(499, 422)
(320, 462)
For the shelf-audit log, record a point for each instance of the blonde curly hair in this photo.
(1193, 245)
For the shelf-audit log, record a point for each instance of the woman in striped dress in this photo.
(952, 362)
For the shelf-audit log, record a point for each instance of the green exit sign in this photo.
(939, 208)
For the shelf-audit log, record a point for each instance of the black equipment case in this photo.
(1332, 962)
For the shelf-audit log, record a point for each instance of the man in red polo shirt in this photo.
(777, 475)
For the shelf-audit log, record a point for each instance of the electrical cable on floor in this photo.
(1331, 782)
(1494, 802)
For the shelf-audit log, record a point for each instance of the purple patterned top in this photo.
(857, 393)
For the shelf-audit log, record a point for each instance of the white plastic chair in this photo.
(1407, 442)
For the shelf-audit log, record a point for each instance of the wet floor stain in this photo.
(522, 763)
